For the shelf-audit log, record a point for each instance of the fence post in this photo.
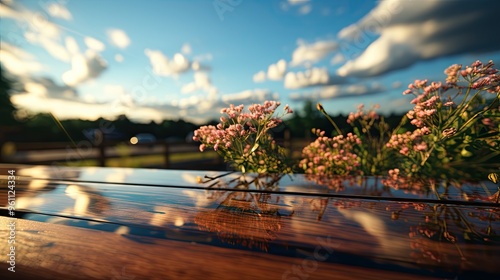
(166, 154)
(287, 142)
(1, 151)
(102, 154)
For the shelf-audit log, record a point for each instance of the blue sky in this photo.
(154, 60)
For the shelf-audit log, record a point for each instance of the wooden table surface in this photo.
(119, 223)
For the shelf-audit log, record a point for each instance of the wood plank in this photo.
(48, 251)
(93, 224)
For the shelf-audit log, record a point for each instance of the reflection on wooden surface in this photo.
(49, 251)
(249, 219)
(244, 227)
(242, 220)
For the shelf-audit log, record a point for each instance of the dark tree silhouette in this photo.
(7, 109)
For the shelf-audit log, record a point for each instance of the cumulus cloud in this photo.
(68, 109)
(36, 29)
(84, 67)
(118, 38)
(338, 91)
(198, 66)
(337, 59)
(249, 96)
(72, 46)
(199, 108)
(46, 87)
(259, 77)
(311, 77)
(312, 53)
(44, 95)
(52, 46)
(29, 21)
(163, 66)
(201, 82)
(17, 61)
(94, 44)
(411, 31)
(276, 71)
(115, 92)
(7, 11)
(59, 11)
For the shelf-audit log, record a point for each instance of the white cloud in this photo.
(112, 93)
(118, 38)
(249, 96)
(411, 31)
(337, 91)
(276, 71)
(311, 77)
(35, 89)
(201, 82)
(72, 46)
(17, 61)
(59, 11)
(259, 77)
(94, 44)
(29, 20)
(46, 87)
(52, 46)
(23, 16)
(186, 49)
(63, 108)
(337, 59)
(6, 11)
(37, 29)
(312, 52)
(163, 66)
(84, 67)
(43, 95)
(197, 66)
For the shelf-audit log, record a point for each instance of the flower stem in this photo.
(322, 110)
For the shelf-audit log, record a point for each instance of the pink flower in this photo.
(487, 122)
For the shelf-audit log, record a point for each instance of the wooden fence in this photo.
(60, 153)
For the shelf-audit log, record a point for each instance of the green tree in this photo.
(7, 109)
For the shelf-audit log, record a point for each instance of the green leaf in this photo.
(254, 147)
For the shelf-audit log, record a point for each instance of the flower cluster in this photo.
(450, 133)
(454, 127)
(409, 142)
(331, 156)
(368, 117)
(243, 138)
